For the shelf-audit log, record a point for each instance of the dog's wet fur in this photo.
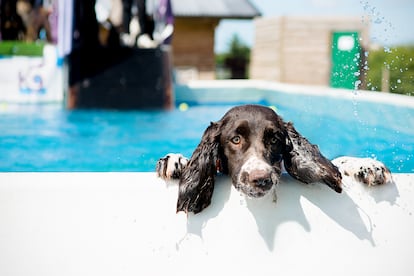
(249, 144)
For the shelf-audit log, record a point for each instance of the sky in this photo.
(392, 21)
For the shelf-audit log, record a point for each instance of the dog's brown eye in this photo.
(273, 140)
(236, 140)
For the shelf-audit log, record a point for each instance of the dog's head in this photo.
(248, 143)
(252, 140)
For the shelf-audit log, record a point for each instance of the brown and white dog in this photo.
(250, 143)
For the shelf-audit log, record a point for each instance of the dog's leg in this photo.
(365, 170)
(171, 166)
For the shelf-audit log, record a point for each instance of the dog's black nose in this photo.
(260, 177)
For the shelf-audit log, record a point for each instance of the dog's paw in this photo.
(170, 166)
(365, 170)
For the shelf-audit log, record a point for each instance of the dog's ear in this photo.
(288, 142)
(197, 180)
(304, 162)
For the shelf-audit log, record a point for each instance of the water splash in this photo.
(356, 86)
(378, 19)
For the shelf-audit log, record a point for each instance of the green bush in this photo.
(235, 59)
(21, 48)
(399, 62)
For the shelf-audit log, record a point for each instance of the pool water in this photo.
(50, 138)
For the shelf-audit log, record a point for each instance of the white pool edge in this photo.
(125, 223)
(357, 95)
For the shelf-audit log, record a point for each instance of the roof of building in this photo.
(237, 9)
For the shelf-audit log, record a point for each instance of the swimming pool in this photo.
(50, 138)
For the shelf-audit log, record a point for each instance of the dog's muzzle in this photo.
(256, 178)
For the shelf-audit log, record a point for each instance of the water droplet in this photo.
(357, 83)
(378, 21)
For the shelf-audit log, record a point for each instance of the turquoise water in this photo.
(50, 138)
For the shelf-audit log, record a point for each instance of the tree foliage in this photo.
(236, 58)
(237, 49)
(399, 62)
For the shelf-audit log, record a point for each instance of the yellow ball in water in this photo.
(183, 107)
